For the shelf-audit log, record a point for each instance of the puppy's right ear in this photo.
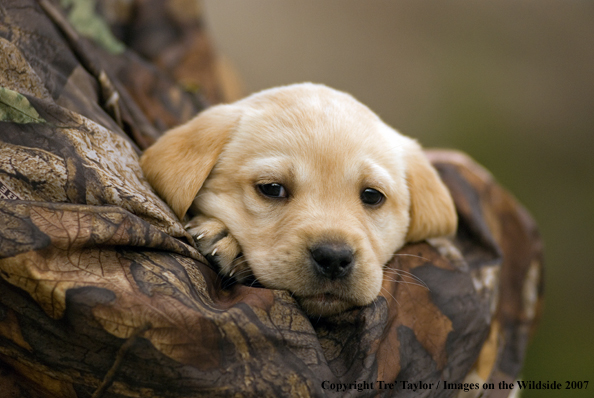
(177, 164)
(432, 209)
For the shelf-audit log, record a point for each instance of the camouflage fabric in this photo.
(101, 293)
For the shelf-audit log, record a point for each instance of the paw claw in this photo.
(212, 238)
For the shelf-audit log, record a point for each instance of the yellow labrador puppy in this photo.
(302, 187)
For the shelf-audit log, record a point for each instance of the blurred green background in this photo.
(510, 83)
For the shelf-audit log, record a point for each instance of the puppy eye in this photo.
(273, 190)
(372, 197)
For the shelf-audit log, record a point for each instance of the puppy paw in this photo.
(219, 247)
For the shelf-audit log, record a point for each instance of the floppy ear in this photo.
(179, 162)
(432, 211)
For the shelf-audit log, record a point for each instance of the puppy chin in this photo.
(318, 296)
(324, 304)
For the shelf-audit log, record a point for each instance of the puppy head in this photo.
(316, 189)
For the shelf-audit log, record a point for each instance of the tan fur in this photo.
(177, 165)
(432, 211)
(324, 147)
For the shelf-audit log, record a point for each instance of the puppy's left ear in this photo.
(432, 211)
(177, 164)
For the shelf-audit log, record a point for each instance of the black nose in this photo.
(332, 260)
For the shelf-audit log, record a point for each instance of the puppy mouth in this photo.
(324, 304)
(323, 298)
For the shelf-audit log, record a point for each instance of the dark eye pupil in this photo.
(371, 196)
(273, 190)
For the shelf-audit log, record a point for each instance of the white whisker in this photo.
(403, 273)
(390, 294)
(410, 255)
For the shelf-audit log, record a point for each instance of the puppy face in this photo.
(316, 190)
